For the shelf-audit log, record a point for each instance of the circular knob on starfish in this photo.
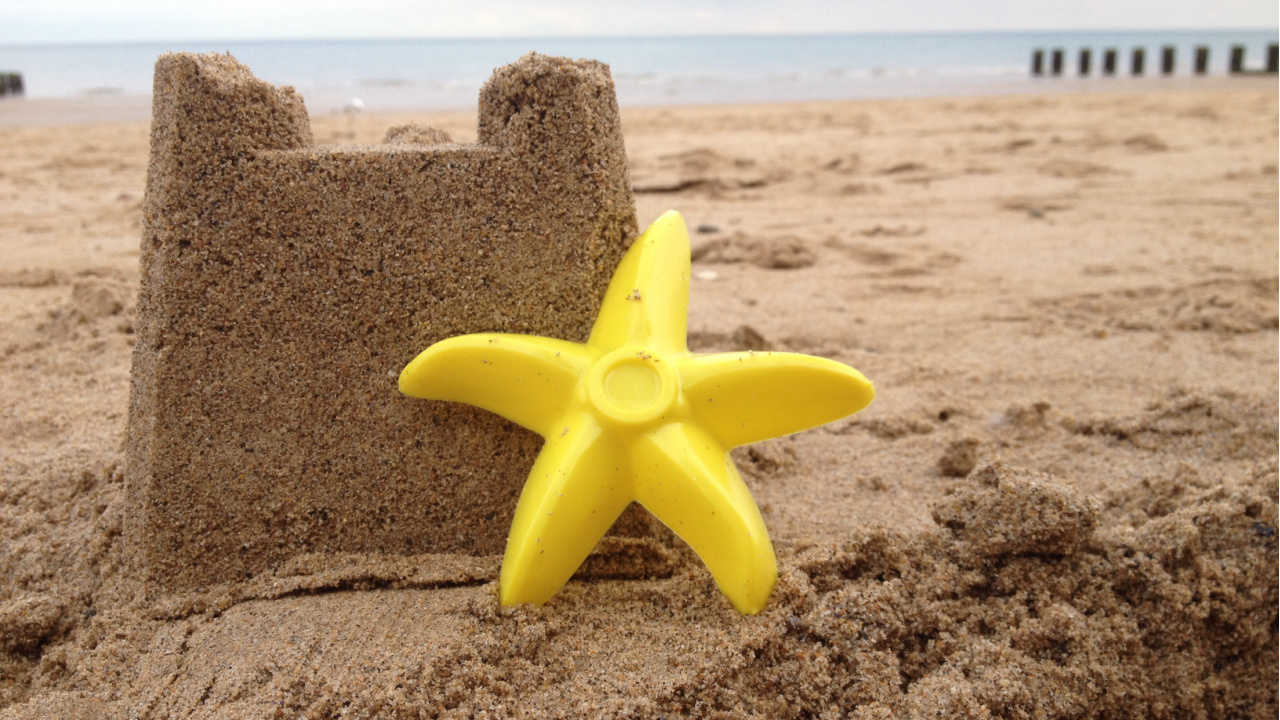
(632, 386)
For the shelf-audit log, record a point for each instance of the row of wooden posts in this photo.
(1138, 61)
(10, 83)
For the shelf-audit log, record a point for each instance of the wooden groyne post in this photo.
(1139, 61)
(11, 83)
(1237, 59)
(1202, 59)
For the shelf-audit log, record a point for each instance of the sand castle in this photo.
(285, 285)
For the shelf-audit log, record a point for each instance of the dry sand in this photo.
(1070, 299)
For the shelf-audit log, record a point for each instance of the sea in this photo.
(440, 74)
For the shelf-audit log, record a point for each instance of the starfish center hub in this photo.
(632, 385)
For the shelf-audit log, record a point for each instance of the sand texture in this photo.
(1062, 504)
(285, 285)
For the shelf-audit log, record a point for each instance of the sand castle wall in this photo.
(285, 285)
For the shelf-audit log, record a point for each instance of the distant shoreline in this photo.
(415, 75)
(133, 108)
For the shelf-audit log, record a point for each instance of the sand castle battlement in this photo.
(285, 285)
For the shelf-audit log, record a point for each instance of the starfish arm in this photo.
(743, 398)
(647, 302)
(526, 379)
(574, 493)
(685, 477)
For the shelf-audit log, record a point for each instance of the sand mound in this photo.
(1018, 605)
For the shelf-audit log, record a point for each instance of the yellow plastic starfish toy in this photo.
(632, 415)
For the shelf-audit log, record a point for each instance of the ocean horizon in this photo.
(446, 74)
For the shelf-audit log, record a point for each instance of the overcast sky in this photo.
(54, 21)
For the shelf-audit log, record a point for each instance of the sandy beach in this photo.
(1062, 503)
